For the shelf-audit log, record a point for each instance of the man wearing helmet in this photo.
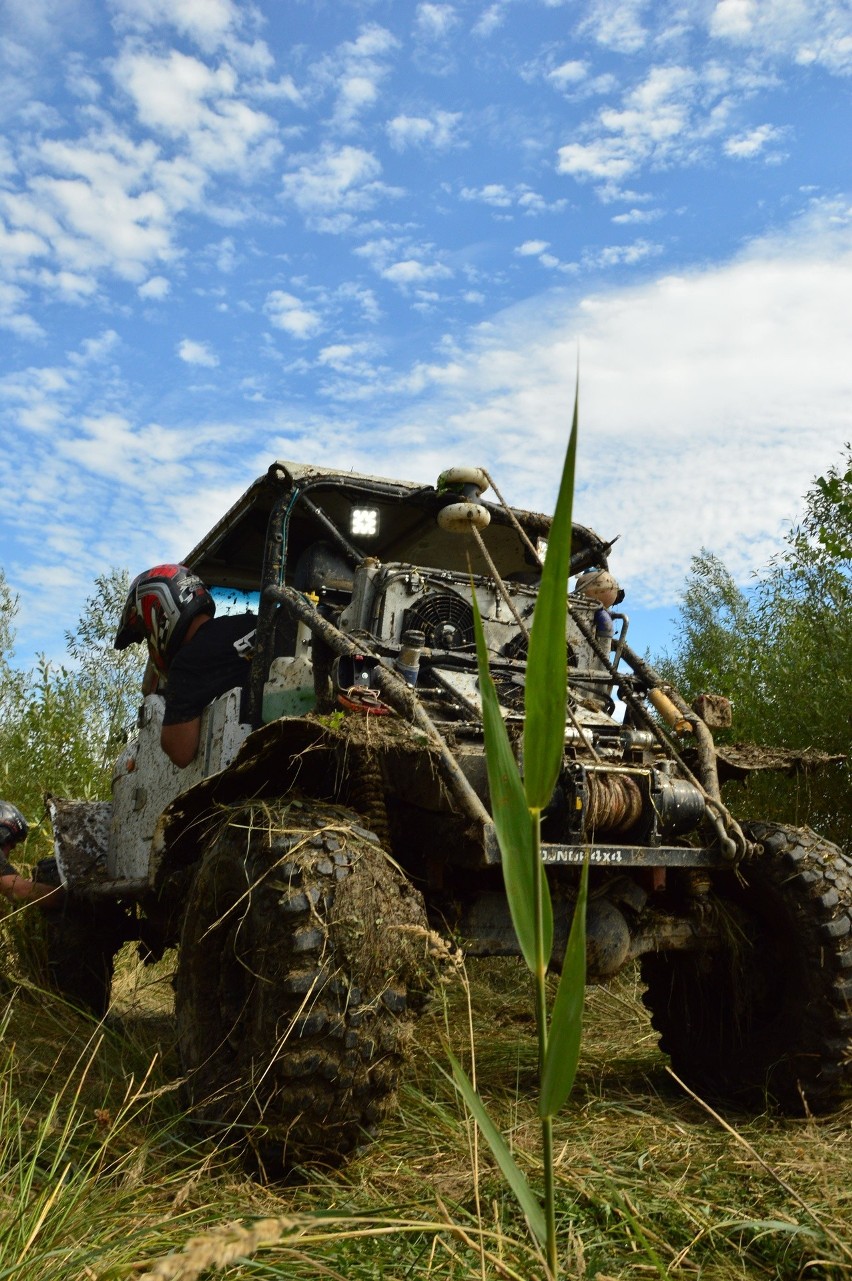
(196, 656)
(17, 888)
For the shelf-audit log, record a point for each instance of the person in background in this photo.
(15, 887)
(195, 656)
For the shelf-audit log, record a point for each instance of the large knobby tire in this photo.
(300, 942)
(765, 1016)
(82, 939)
(81, 948)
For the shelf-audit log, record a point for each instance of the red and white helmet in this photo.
(13, 825)
(160, 605)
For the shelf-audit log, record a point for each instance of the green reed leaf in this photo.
(513, 1175)
(512, 820)
(547, 676)
(566, 1023)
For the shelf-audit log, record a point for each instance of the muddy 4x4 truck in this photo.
(338, 814)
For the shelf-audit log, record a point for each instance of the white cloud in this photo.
(226, 255)
(532, 247)
(13, 315)
(206, 21)
(669, 117)
(94, 350)
(364, 299)
(352, 371)
(622, 255)
(287, 312)
(748, 145)
(606, 158)
(531, 203)
(330, 187)
(8, 165)
(435, 21)
(357, 94)
(79, 80)
(189, 101)
(96, 484)
(197, 353)
(284, 88)
(437, 131)
(406, 263)
(69, 286)
(657, 108)
(568, 74)
(411, 271)
(736, 374)
(732, 19)
(617, 24)
(816, 32)
(493, 193)
(104, 203)
(31, 33)
(491, 19)
(499, 196)
(338, 355)
(155, 287)
(17, 247)
(354, 72)
(636, 216)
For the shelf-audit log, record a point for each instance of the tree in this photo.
(61, 725)
(9, 678)
(107, 677)
(715, 631)
(781, 652)
(8, 611)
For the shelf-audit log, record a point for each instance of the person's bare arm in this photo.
(180, 742)
(20, 889)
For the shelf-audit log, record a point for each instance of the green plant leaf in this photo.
(512, 820)
(513, 1175)
(566, 1024)
(547, 663)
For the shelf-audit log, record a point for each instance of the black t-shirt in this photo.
(209, 665)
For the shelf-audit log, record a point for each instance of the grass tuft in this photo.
(103, 1178)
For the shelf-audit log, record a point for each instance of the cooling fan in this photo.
(445, 619)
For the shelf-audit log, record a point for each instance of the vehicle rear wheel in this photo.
(82, 939)
(766, 1015)
(300, 941)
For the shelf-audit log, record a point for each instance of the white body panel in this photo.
(145, 781)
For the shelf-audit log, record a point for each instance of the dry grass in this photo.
(102, 1176)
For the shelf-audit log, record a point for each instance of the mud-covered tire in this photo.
(300, 941)
(80, 962)
(765, 1016)
(82, 939)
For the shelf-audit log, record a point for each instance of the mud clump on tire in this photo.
(376, 925)
(301, 941)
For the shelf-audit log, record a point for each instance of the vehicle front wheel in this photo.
(300, 942)
(765, 1014)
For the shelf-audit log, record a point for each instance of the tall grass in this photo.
(97, 1158)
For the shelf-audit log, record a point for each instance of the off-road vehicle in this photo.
(333, 824)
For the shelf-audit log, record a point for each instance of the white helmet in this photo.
(597, 582)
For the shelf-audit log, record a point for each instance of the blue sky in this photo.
(376, 234)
